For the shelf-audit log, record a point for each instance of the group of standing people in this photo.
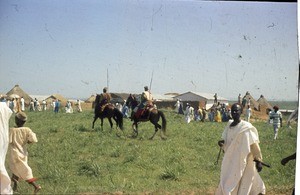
(218, 113)
(56, 104)
(35, 105)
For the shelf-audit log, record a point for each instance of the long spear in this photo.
(107, 79)
(151, 80)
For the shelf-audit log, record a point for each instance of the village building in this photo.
(17, 91)
(196, 99)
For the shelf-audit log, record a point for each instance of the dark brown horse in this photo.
(153, 115)
(109, 112)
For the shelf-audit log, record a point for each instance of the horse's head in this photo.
(97, 99)
(131, 101)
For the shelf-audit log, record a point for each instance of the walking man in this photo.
(276, 116)
(239, 172)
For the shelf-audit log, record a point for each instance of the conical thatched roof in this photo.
(253, 102)
(263, 102)
(62, 99)
(16, 90)
(91, 99)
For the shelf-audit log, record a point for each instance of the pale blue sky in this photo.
(68, 46)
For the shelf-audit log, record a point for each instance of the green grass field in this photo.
(71, 158)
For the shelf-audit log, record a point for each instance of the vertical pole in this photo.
(107, 79)
(151, 80)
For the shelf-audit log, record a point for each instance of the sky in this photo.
(78, 47)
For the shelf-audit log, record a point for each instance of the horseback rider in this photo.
(146, 97)
(105, 98)
(146, 102)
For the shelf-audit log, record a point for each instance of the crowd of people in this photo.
(36, 105)
(217, 113)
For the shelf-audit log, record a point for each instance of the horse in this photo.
(109, 111)
(153, 115)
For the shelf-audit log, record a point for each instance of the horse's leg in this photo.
(95, 118)
(117, 123)
(157, 126)
(135, 129)
(111, 123)
(102, 124)
(155, 131)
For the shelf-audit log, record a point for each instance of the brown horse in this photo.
(153, 115)
(109, 112)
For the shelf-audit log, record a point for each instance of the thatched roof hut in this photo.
(263, 102)
(90, 99)
(264, 105)
(54, 97)
(16, 90)
(253, 102)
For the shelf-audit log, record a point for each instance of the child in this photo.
(19, 138)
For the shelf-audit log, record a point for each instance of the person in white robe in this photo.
(38, 106)
(177, 105)
(69, 108)
(19, 137)
(44, 105)
(189, 113)
(78, 104)
(248, 113)
(22, 104)
(242, 159)
(5, 114)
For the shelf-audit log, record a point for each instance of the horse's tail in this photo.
(164, 121)
(119, 117)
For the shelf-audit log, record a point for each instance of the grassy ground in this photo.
(71, 158)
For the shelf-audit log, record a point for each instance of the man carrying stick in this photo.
(242, 159)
